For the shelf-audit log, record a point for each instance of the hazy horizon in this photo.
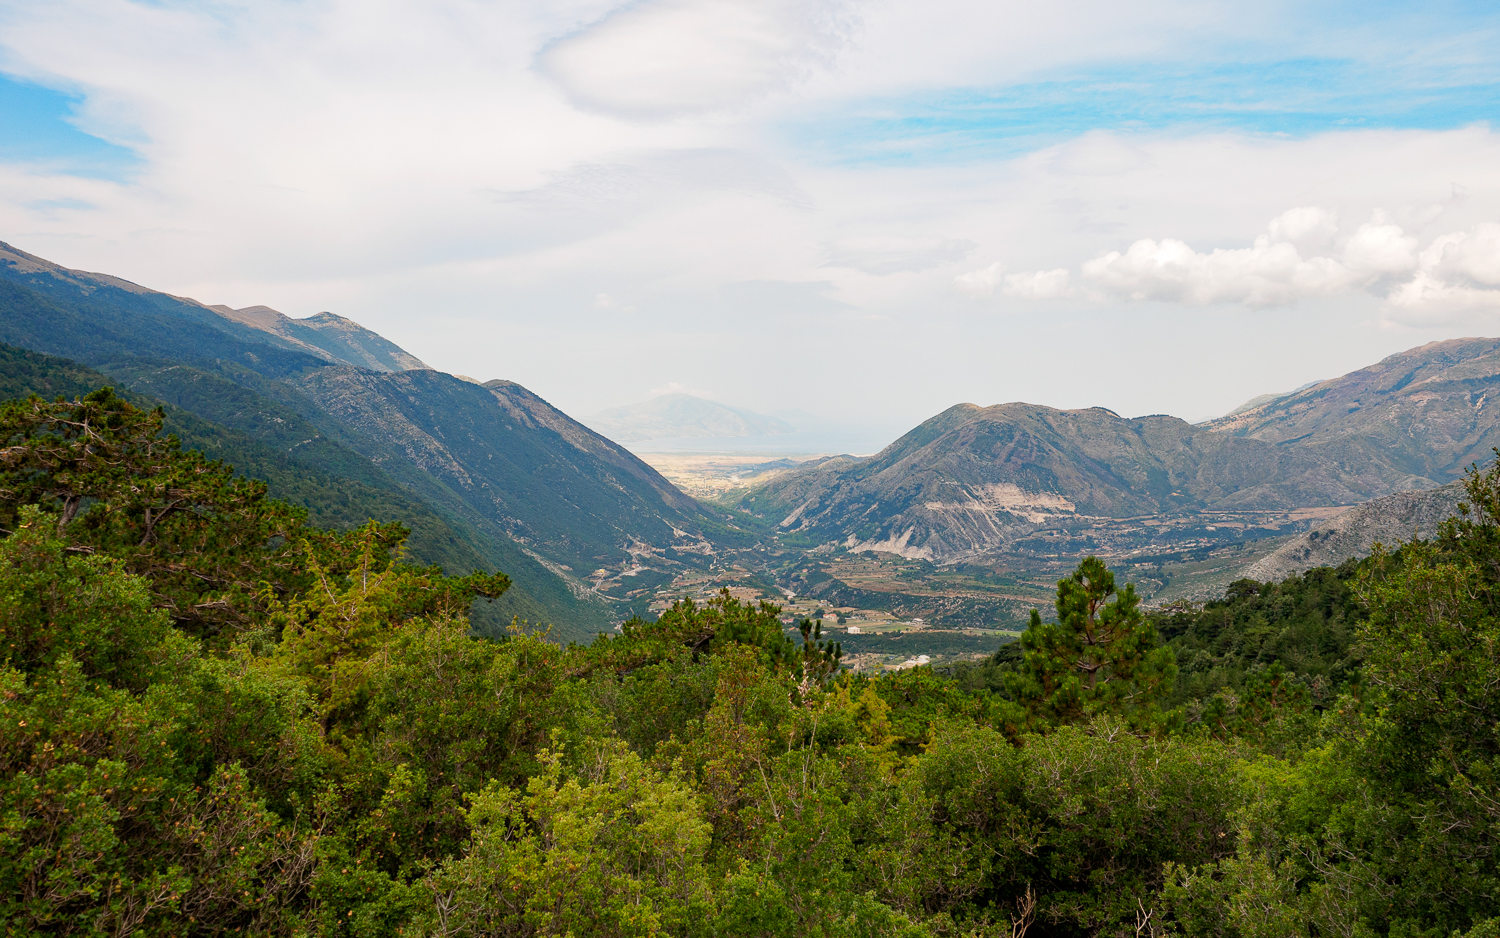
(813, 434)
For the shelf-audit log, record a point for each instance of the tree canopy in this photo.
(217, 719)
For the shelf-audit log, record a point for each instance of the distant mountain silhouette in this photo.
(682, 416)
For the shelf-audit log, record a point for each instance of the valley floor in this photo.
(890, 612)
(709, 475)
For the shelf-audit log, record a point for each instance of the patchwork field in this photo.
(709, 475)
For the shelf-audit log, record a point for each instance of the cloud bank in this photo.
(1304, 254)
(591, 196)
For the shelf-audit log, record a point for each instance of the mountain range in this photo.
(974, 480)
(490, 476)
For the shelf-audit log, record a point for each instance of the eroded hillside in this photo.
(973, 480)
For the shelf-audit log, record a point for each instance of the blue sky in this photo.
(1415, 69)
(36, 126)
(1296, 97)
(917, 203)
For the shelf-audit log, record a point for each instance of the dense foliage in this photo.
(1101, 656)
(301, 466)
(331, 752)
(1306, 624)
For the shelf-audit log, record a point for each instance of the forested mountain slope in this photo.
(97, 326)
(339, 757)
(498, 457)
(566, 493)
(354, 493)
(541, 496)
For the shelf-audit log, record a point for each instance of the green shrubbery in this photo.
(323, 748)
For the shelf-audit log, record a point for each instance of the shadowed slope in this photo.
(354, 494)
(570, 496)
(178, 327)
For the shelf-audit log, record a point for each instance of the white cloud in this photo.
(1461, 255)
(1040, 285)
(1380, 247)
(1266, 274)
(880, 256)
(1428, 297)
(606, 302)
(675, 387)
(666, 58)
(427, 169)
(981, 282)
(1458, 273)
(1309, 227)
(1453, 273)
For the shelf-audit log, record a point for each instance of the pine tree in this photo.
(816, 661)
(1101, 656)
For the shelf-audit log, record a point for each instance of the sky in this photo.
(866, 212)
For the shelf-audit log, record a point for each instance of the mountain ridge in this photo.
(329, 335)
(973, 479)
(543, 491)
(329, 338)
(1424, 406)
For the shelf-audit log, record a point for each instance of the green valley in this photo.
(368, 649)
